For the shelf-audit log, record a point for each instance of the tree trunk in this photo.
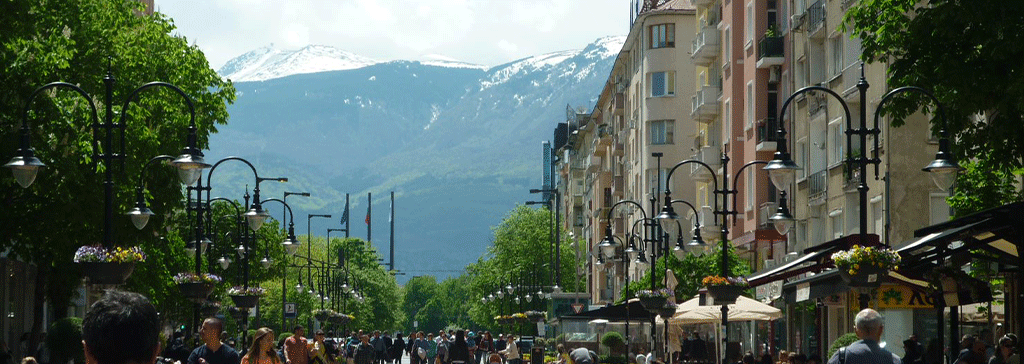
(38, 305)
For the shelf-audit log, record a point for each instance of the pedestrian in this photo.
(410, 348)
(431, 349)
(1004, 353)
(472, 344)
(698, 348)
(318, 352)
(458, 351)
(388, 342)
(442, 348)
(583, 355)
(511, 350)
(364, 351)
(261, 351)
(378, 347)
(913, 353)
(420, 348)
(296, 348)
(213, 350)
(121, 327)
(486, 344)
(397, 347)
(331, 344)
(868, 325)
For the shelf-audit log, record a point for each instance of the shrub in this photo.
(613, 340)
(842, 341)
(65, 340)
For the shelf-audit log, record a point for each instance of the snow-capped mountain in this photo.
(459, 144)
(269, 63)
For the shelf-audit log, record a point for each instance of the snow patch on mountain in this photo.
(438, 60)
(268, 63)
(560, 64)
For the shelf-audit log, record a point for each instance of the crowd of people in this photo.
(123, 328)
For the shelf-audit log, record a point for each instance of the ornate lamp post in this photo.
(25, 165)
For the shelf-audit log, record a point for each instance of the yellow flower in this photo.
(852, 272)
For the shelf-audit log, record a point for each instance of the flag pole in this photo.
(392, 221)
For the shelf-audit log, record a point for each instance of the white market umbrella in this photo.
(745, 309)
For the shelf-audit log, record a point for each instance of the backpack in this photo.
(422, 353)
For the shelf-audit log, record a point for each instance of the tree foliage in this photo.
(981, 186)
(930, 44)
(79, 42)
(690, 271)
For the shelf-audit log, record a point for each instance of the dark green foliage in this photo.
(64, 339)
(689, 272)
(842, 341)
(614, 341)
(930, 44)
(982, 186)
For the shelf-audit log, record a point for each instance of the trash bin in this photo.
(537, 355)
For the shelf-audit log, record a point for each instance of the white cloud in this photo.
(487, 32)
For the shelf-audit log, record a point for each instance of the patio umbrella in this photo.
(745, 309)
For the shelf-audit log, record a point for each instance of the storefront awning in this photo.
(790, 269)
(620, 312)
(993, 231)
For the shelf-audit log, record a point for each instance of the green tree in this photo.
(78, 42)
(520, 249)
(418, 292)
(930, 44)
(689, 272)
(981, 185)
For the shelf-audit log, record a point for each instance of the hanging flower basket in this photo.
(108, 266)
(725, 290)
(196, 287)
(323, 315)
(666, 311)
(519, 317)
(536, 316)
(865, 267)
(107, 272)
(238, 313)
(246, 297)
(655, 299)
(209, 309)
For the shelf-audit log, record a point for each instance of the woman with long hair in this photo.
(262, 349)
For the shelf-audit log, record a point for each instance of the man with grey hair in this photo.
(869, 326)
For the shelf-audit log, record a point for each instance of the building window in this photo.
(663, 83)
(662, 35)
(800, 157)
(750, 189)
(836, 141)
(836, 45)
(727, 46)
(749, 38)
(661, 132)
(750, 105)
(836, 217)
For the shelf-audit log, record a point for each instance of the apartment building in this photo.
(644, 108)
(750, 56)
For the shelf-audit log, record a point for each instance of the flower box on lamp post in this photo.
(725, 290)
(653, 300)
(246, 297)
(196, 287)
(108, 266)
(865, 266)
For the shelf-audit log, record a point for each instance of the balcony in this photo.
(710, 155)
(816, 20)
(593, 163)
(770, 51)
(618, 186)
(705, 104)
(709, 223)
(618, 149)
(767, 134)
(604, 136)
(765, 211)
(817, 185)
(705, 45)
(618, 103)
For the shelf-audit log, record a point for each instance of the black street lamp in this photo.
(557, 276)
(942, 170)
(668, 214)
(291, 246)
(25, 166)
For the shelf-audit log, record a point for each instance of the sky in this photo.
(486, 32)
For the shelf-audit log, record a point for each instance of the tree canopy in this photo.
(967, 53)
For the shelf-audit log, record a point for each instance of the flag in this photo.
(391, 217)
(344, 215)
(367, 214)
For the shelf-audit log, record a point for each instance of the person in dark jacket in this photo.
(458, 352)
(397, 347)
(364, 351)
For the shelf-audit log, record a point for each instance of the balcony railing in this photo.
(705, 103)
(816, 16)
(770, 51)
(705, 45)
(817, 185)
(767, 130)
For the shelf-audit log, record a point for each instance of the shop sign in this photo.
(898, 296)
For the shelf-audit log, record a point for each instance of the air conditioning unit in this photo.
(775, 74)
(797, 20)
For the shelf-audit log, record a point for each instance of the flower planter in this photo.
(196, 291)
(535, 316)
(725, 295)
(245, 301)
(652, 303)
(867, 276)
(665, 312)
(107, 272)
(209, 311)
(239, 313)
